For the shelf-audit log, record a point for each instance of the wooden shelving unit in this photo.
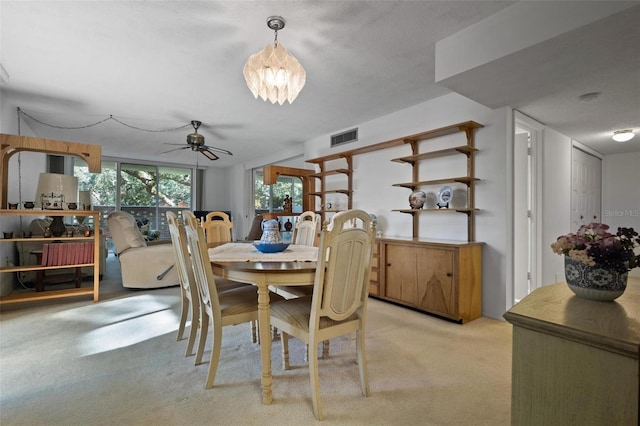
(24, 296)
(417, 158)
(320, 201)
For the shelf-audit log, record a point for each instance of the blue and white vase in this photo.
(271, 232)
(594, 282)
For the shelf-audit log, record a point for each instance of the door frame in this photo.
(536, 131)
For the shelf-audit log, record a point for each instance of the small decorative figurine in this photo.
(287, 206)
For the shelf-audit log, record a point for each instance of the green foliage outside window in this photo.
(141, 185)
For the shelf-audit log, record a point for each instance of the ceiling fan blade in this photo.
(213, 148)
(210, 155)
(174, 149)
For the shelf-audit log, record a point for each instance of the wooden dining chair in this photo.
(190, 298)
(188, 290)
(217, 227)
(218, 309)
(338, 305)
(305, 232)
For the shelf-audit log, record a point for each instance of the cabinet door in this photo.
(436, 289)
(400, 273)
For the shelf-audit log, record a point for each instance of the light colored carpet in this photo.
(117, 362)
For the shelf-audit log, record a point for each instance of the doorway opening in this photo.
(526, 148)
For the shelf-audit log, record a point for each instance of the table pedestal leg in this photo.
(264, 321)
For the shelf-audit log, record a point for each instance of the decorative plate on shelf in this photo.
(444, 196)
(417, 199)
(270, 247)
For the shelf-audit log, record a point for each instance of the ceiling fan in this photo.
(195, 141)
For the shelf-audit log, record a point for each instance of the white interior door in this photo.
(586, 188)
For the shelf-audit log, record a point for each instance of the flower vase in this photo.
(594, 282)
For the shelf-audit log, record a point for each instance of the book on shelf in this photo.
(52, 255)
(70, 253)
(91, 252)
(45, 252)
(60, 252)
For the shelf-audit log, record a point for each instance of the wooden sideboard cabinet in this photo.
(575, 361)
(441, 278)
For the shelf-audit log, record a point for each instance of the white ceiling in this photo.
(158, 65)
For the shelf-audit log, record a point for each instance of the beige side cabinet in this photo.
(575, 361)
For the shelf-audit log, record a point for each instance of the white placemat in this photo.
(246, 252)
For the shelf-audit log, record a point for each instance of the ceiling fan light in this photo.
(273, 73)
(623, 135)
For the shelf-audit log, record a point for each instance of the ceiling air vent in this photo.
(344, 137)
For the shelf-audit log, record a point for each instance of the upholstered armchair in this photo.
(143, 264)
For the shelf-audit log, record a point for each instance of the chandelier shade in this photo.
(273, 73)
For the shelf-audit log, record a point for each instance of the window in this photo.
(270, 198)
(146, 191)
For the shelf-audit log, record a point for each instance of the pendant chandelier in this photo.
(273, 73)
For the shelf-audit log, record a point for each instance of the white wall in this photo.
(216, 191)
(621, 193)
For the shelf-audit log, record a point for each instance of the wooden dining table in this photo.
(241, 262)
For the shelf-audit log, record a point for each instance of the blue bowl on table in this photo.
(270, 247)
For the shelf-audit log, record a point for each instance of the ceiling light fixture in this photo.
(623, 135)
(273, 73)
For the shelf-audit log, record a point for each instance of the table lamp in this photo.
(54, 192)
